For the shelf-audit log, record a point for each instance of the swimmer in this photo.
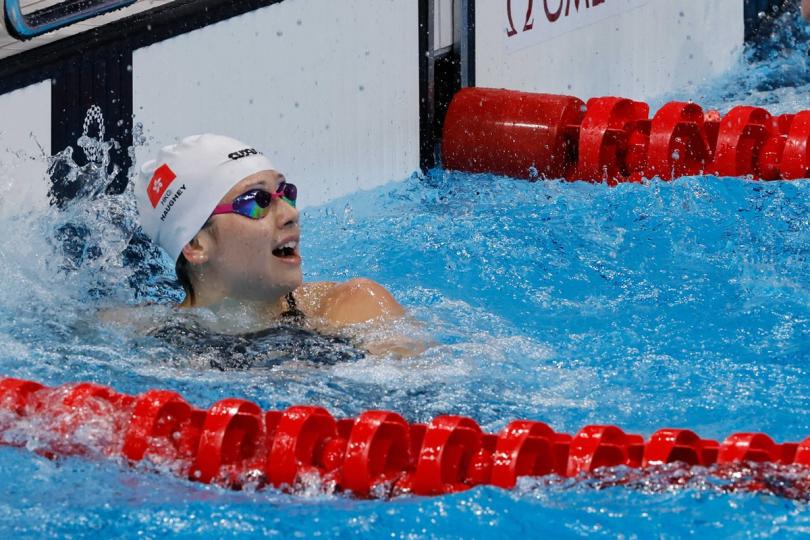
(228, 217)
(806, 10)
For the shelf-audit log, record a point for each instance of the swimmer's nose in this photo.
(286, 215)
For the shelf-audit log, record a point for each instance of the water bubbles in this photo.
(676, 155)
(348, 217)
(138, 136)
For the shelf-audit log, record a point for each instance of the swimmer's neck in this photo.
(259, 310)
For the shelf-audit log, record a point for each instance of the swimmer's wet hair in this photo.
(181, 269)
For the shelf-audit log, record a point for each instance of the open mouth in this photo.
(286, 250)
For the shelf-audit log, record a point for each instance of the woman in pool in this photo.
(222, 211)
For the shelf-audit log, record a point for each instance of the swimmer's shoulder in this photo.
(353, 301)
(309, 296)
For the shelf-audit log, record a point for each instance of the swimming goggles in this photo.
(255, 204)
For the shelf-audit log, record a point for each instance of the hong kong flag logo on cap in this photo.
(159, 183)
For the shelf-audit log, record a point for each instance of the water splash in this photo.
(90, 230)
(60, 261)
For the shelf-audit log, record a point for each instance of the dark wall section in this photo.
(103, 77)
(441, 75)
(426, 139)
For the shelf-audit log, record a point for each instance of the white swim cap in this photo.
(177, 192)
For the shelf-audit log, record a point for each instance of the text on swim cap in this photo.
(171, 202)
(159, 183)
(245, 152)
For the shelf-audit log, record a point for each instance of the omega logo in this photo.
(552, 14)
(528, 25)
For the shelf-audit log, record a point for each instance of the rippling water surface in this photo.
(665, 304)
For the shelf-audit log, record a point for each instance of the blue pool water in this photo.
(666, 304)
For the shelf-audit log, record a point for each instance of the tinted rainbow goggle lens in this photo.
(255, 203)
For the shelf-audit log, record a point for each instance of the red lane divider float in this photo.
(376, 454)
(613, 140)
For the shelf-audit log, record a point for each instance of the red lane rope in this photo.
(613, 140)
(376, 454)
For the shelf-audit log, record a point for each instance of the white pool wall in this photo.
(328, 90)
(631, 48)
(25, 140)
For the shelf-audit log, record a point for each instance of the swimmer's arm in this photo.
(806, 9)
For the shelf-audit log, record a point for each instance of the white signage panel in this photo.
(327, 90)
(529, 22)
(25, 141)
(638, 49)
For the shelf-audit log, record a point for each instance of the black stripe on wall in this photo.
(441, 76)
(427, 158)
(103, 77)
(468, 49)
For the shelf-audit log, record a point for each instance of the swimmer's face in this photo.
(245, 256)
